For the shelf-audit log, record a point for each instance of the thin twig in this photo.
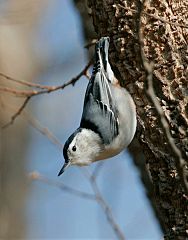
(88, 45)
(18, 93)
(61, 186)
(17, 113)
(48, 89)
(43, 130)
(36, 124)
(155, 17)
(97, 169)
(26, 83)
(179, 160)
(30, 94)
(108, 212)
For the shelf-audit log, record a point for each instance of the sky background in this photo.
(50, 212)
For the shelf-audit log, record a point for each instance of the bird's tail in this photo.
(101, 58)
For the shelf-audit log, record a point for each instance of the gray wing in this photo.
(99, 113)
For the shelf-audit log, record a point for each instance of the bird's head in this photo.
(81, 148)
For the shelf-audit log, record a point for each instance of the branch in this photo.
(176, 153)
(104, 205)
(49, 89)
(18, 93)
(97, 169)
(35, 124)
(26, 83)
(43, 130)
(61, 186)
(91, 43)
(17, 113)
(97, 196)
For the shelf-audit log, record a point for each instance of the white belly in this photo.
(127, 125)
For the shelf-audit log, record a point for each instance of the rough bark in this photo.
(167, 46)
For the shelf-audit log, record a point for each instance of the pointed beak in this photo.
(65, 166)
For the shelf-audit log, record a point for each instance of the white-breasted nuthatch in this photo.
(108, 122)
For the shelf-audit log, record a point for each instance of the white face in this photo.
(84, 148)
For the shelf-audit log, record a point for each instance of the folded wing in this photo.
(99, 113)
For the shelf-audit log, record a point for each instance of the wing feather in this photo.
(99, 112)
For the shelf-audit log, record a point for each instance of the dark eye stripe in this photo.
(66, 146)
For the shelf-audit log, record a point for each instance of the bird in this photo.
(108, 121)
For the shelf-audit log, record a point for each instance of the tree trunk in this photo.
(166, 44)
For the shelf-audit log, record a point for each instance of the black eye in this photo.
(74, 148)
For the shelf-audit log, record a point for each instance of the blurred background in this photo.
(43, 42)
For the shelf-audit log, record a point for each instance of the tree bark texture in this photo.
(166, 45)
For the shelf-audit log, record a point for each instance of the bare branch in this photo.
(26, 83)
(18, 93)
(19, 111)
(61, 186)
(181, 164)
(90, 43)
(35, 124)
(43, 130)
(97, 169)
(30, 94)
(104, 205)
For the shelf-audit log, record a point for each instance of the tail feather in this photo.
(101, 59)
(101, 53)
